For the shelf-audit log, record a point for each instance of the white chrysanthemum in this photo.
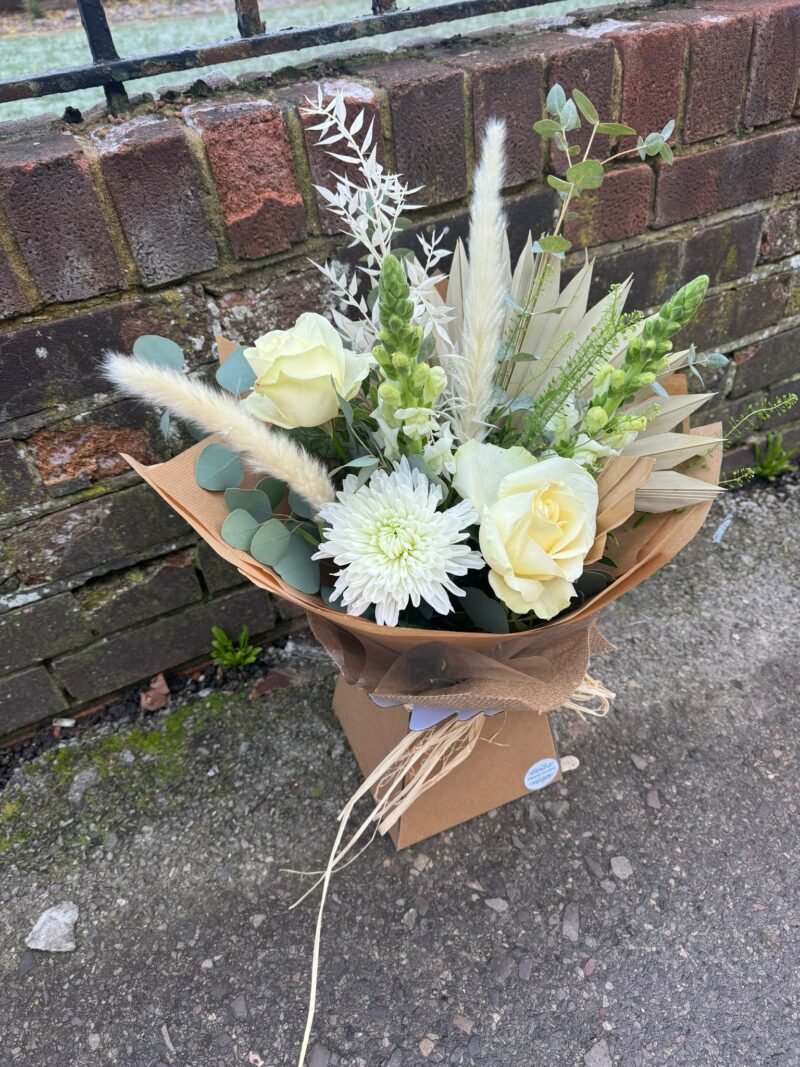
(394, 546)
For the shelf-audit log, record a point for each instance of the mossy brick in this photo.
(77, 452)
(617, 210)
(726, 251)
(27, 698)
(426, 101)
(251, 163)
(53, 363)
(507, 82)
(48, 196)
(323, 167)
(137, 654)
(137, 595)
(772, 360)
(703, 182)
(248, 312)
(157, 192)
(95, 536)
(652, 55)
(656, 270)
(719, 51)
(12, 300)
(581, 60)
(738, 312)
(774, 57)
(19, 485)
(218, 574)
(40, 631)
(781, 237)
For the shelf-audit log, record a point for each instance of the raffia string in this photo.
(415, 764)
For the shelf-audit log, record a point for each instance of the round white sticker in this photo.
(541, 774)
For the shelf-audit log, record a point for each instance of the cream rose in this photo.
(537, 523)
(300, 371)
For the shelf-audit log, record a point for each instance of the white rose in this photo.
(537, 523)
(300, 371)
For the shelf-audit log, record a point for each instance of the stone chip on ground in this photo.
(54, 930)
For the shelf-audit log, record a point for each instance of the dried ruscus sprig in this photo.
(263, 449)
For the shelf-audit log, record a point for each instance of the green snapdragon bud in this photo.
(594, 420)
(388, 393)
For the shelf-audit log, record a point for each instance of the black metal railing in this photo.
(109, 70)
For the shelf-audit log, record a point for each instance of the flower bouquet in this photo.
(453, 476)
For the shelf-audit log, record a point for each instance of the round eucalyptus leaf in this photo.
(270, 542)
(297, 568)
(150, 348)
(300, 506)
(235, 374)
(274, 488)
(239, 529)
(487, 613)
(218, 468)
(252, 501)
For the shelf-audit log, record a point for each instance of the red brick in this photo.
(652, 57)
(719, 50)
(427, 107)
(618, 209)
(576, 61)
(781, 234)
(247, 313)
(59, 361)
(772, 360)
(774, 57)
(251, 162)
(47, 193)
(12, 300)
(138, 654)
(324, 168)
(158, 196)
(724, 252)
(723, 177)
(508, 83)
(738, 312)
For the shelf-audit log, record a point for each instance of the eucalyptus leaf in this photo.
(274, 488)
(554, 244)
(569, 116)
(558, 183)
(164, 423)
(150, 348)
(300, 506)
(270, 542)
(238, 529)
(359, 463)
(616, 129)
(587, 174)
(418, 463)
(236, 375)
(556, 99)
(546, 127)
(326, 592)
(585, 106)
(218, 468)
(253, 501)
(591, 583)
(297, 568)
(487, 613)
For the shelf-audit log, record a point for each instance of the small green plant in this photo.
(232, 656)
(772, 459)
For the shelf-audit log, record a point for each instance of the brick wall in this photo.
(198, 214)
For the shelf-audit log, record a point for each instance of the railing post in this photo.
(248, 18)
(101, 45)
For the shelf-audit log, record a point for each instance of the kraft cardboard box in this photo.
(516, 754)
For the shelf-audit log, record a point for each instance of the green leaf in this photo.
(666, 154)
(218, 468)
(150, 348)
(574, 150)
(270, 542)
(487, 613)
(558, 183)
(164, 423)
(238, 529)
(360, 463)
(297, 568)
(254, 501)
(586, 175)
(274, 488)
(556, 99)
(569, 116)
(554, 244)
(236, 375)
(668, 130)
(523, 357)
(300, 506)
(585, 106)
(418, 463)
(616, 129)
(195, 431)
(546, 127)
(326, 592)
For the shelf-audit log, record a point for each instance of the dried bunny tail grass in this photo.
(484, 292)
(264, 450)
